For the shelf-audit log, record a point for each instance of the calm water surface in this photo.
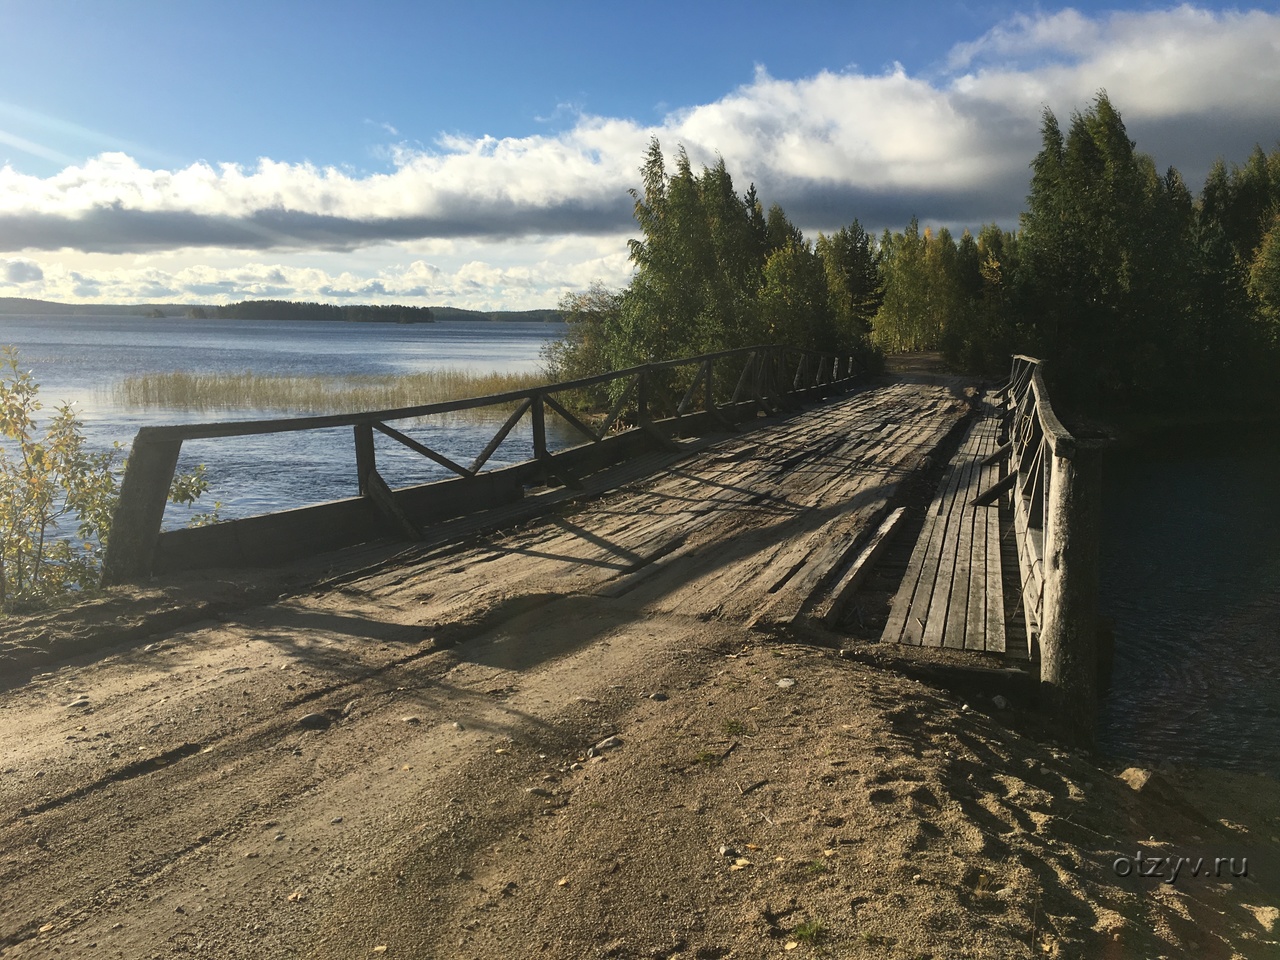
(79, 359)
(1191, 578)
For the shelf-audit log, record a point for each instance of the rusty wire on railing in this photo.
(1056, 502)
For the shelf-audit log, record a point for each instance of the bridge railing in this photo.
(1056, 500)
(612, 416)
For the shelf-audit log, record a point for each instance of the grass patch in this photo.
(184, 390)
(735, 728)
(810, 931)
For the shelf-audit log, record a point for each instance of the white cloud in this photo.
(1066, 33)
(950, 149)
(19, 271)
(477, 275)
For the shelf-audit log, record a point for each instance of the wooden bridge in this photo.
(764, 485)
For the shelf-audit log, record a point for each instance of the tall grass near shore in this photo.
(183, 390)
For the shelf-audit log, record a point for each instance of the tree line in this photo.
(1139, 294)
(714, 271)
(292, 310)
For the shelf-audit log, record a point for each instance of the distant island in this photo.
(272, 310)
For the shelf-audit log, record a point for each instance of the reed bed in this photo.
(183, 390)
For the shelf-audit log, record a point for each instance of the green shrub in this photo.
(56, 497)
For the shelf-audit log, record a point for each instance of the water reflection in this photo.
(1191, 578)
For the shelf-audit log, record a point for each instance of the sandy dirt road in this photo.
(566, 740)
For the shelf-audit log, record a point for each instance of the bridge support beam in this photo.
(135, 525)
(1069, 634)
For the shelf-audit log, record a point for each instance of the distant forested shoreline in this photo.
(272, 310)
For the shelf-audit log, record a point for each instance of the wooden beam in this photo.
(853, 578)
(616, 410)
(385, 501)
(501, 435)
(135, 524)
(365, 458)
(996, 455)
(426, 451)
(993, 492)
(569, 418)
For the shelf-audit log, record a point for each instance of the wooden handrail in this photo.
(1056, 502)
(144, 490)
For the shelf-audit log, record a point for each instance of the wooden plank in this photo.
(987, 519)
(797, 574)
(831, 611)
(975, 595)
(903, 600)
(994, 640)
(967, 545)
(916, 619)
(945, 623)
(995, 632)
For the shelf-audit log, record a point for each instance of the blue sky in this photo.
(479, 155)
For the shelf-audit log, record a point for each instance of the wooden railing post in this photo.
(644, 416)
(642, 397)
(365, 462)
(1069, 637)
(135, 525)
(539, 420)
(713, 411)
(1057, 509)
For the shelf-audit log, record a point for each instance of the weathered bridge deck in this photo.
(952, 594)
(753, 528)
(774, 517)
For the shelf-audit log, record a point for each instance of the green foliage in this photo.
(1124, 282)
(713, 272)
(735, 728)
(852, 265)
(794, 302)
(592, 320)
(1129, 286)
(980, 335)
(56, 497)
(922, 289)
(1264, 280)
(810, 931)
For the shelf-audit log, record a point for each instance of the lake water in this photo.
(1191, 579)
(78, 359)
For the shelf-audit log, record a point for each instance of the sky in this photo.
(480, 155)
